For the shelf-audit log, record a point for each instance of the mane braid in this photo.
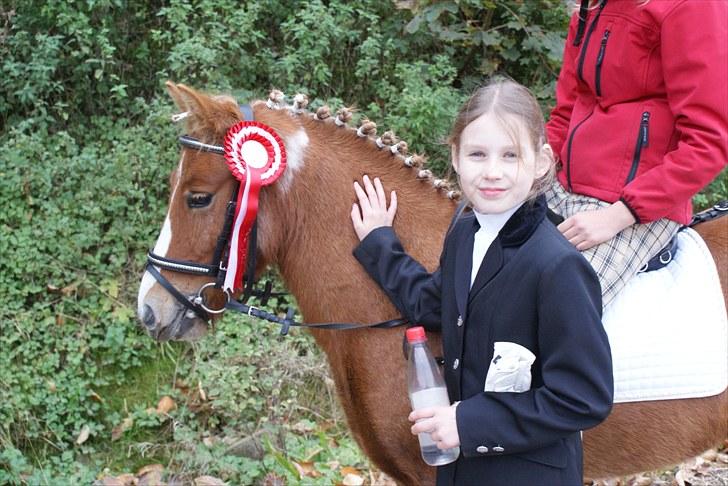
(367, 131)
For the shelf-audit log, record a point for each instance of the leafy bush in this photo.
(86, 148)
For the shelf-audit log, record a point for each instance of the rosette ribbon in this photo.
(256, 156)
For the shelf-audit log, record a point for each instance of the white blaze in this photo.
(160, 248)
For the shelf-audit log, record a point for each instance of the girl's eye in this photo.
(196, 200)
(477, 154)
(510, 155)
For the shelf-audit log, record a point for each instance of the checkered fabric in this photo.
(619, 259)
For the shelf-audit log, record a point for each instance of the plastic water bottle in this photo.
(426, 389)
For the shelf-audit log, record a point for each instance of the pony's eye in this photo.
(199, 199)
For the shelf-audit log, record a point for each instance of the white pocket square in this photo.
(510, 369)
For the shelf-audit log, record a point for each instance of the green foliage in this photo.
(77, 222)
(85, 150)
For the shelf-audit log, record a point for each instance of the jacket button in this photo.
(481, 449)
(455, 364)
(460, 321)
(498, 449)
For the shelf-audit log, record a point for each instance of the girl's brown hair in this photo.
(507, 100)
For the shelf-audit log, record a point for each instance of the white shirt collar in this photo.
(494, 222)
(490, 226)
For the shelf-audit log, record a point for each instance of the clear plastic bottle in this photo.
(426, 389)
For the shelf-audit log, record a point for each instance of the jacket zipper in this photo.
(643, 139)
(600, 60)
(592, 26)
(568, 150)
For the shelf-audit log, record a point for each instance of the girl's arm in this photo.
(576, 369)
(410, 287)
(558, 124)
(694, 49)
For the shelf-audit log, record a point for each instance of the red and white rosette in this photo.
(256, 157)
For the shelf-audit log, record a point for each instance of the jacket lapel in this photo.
(492, 263)
(464, 264)
(514, 233)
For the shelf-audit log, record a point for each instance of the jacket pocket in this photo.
(600, 61)
(510, 368)
(643, 139)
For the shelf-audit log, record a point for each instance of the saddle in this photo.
(666, 255)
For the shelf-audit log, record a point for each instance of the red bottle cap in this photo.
(416, 334)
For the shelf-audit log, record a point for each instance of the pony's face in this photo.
(200, 189)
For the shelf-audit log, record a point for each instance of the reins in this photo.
(197, 304)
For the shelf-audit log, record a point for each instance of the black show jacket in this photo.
(534, 289)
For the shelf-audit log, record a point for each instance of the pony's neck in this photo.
(315, 254)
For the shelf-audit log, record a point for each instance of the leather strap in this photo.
(181, 298)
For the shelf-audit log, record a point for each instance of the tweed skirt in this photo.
(619, 259)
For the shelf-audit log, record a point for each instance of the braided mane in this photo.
(211, 125)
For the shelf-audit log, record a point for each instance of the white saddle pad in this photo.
(668, 329)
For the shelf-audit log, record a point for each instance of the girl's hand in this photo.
(372, 211)
(590, 228)
(439, 422)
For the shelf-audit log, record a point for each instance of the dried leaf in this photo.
(272, 479)
(208, 481)
(306, 469)
(119, 430)
(710, 455)
(151, 478)
(349, 470)
(83, 435)
(352, 480)
(112, 481)
(641, 481)
(122, 480)
(165, 405)
(95, 396)
(203, 395)
(149, 468)
(208, 441)
(303, 426)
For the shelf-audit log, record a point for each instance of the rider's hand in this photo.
(372, 211)
(590, 228)
(439, 422)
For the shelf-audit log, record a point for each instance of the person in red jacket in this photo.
(639, 127)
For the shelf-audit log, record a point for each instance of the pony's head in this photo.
(177, 298)
(303, 224)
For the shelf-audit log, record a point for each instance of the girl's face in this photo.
(495, 173)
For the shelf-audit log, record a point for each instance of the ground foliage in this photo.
(85, 149)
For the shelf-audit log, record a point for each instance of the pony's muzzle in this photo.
(148, 318)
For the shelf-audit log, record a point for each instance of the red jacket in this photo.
(642, 104)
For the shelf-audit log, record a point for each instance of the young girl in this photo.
(527, 361)
(640, 126)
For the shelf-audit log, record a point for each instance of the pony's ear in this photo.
(176, 96)
(208, 117)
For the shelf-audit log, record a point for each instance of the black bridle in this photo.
(217, 270)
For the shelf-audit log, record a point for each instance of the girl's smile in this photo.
(492, 192)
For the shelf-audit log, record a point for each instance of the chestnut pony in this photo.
(304, 229)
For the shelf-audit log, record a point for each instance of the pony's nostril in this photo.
(148, 317)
